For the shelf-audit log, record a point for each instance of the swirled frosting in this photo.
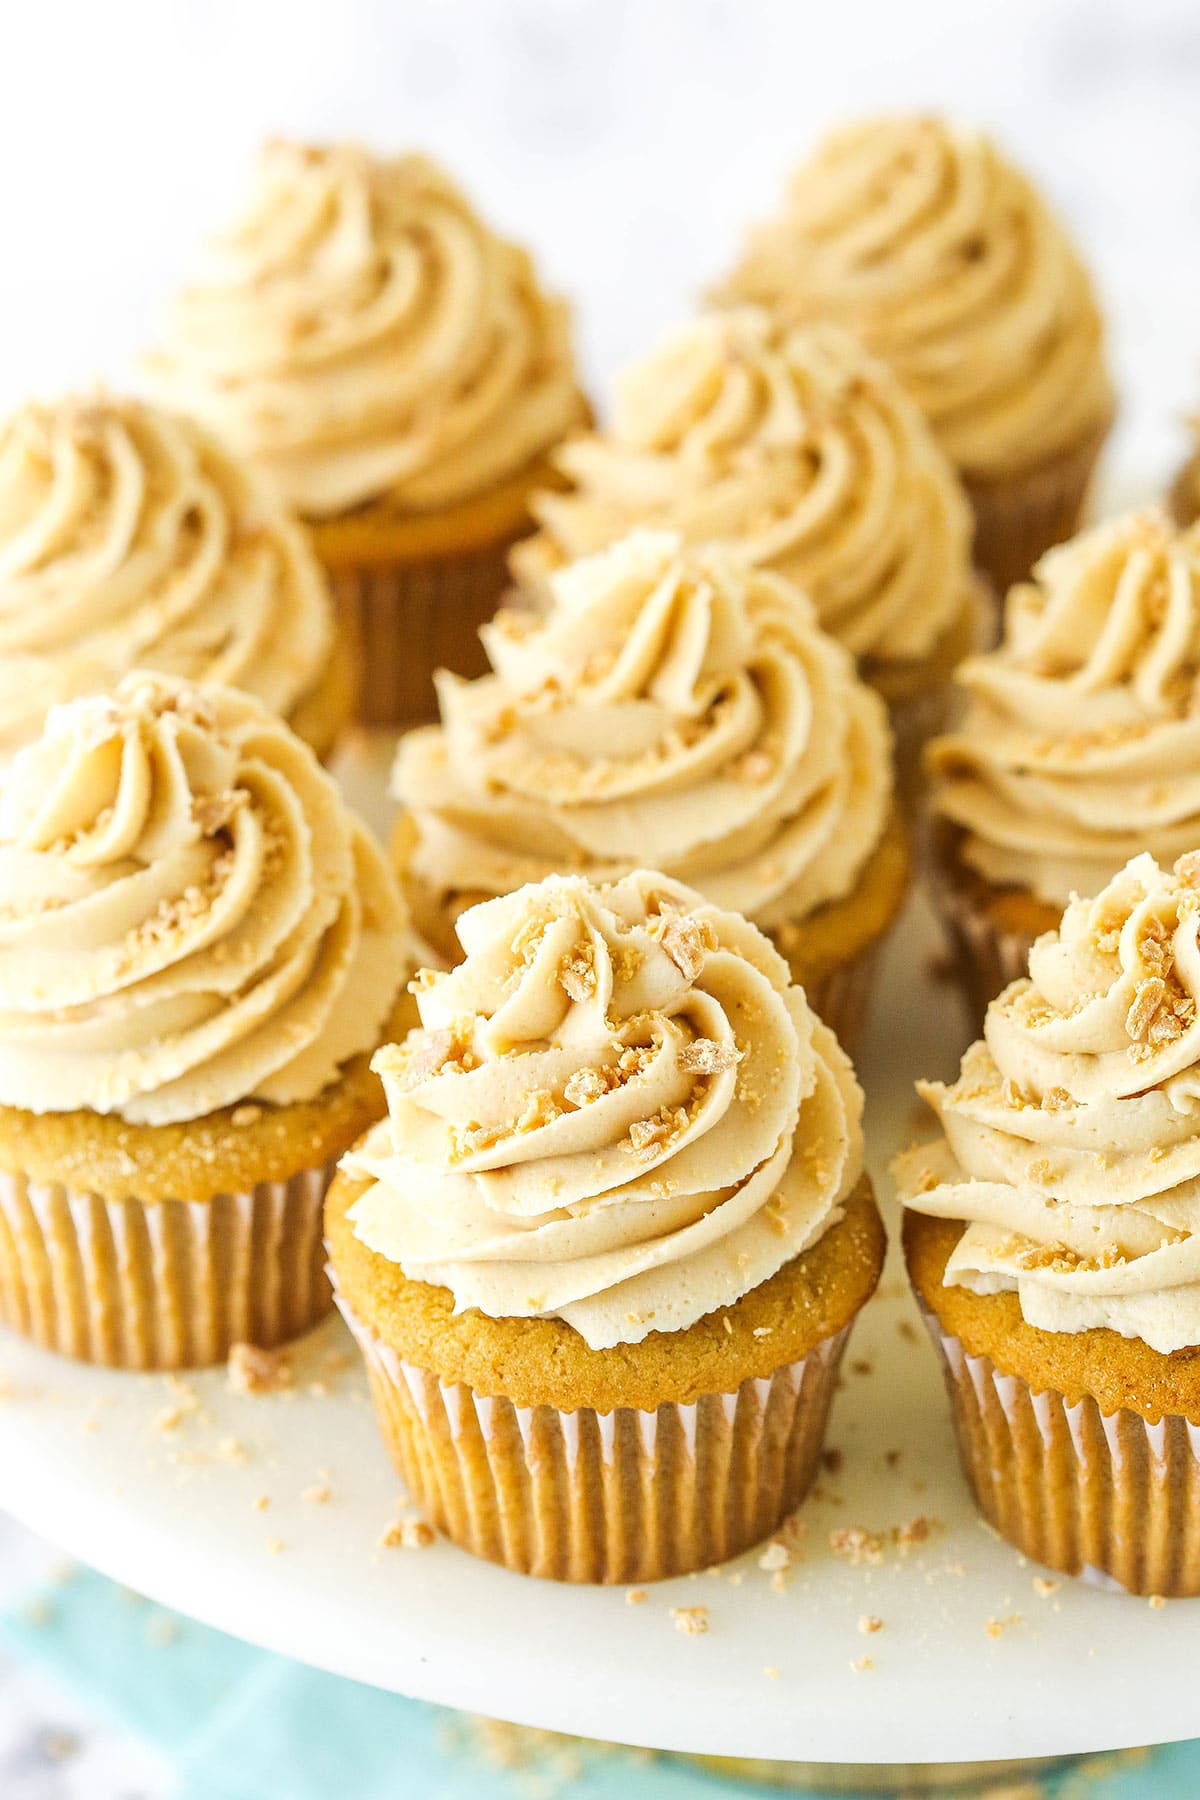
(360, 332)
(792, 450)
(129, 539)
(189, 916)
(917, 235)
(670, 706)
(1071, 1140)
(616, 1111)
(1080, 743)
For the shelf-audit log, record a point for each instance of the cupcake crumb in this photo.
(775, 1558)
(916, 1531)
(862, 1664)
(995, 1628)
(856, 1545)
(692, 1621)
(1043, 1587)
(261, 1502)
(406, 1534)
(635, 1596)
(318, 1495)
(1156, 1601)
(232, 1450)
(771, 1672)
(869, 1624)
(253, 1370)
(274, 1546)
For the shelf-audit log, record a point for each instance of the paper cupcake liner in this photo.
(1183, 496)
(1109, 1496)
(626, 1496)
(842, 997)
(169, 1284)
(1015, 521)
(987, 956)
(408, 619)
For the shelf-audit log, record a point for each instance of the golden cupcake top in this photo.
(1080, 742)
(920, 237)
(1070, 1142)
(190, 918)
(669, 706)
(791, 449)
(130, 539)
(360, 333)
(617, 1111)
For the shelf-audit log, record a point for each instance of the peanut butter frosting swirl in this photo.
(792, 450)
(669, 705)
(129, 539)
(360, 332)
(617, 1111)
(921, 238)
(1080, 743)
(1071, 1140)
(189, 916)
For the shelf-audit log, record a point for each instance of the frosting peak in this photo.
(921, 238)
(130, 539)
(1071, 1140)
(189, 916)
(360, 332)
(791, 450)
(668, 704)
(1081, 741)
(617, 1111)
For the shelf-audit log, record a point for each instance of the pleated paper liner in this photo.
(1183, 496)
(625, 1496)
(990, 931)
(162, 1285)
(1110, 1496)
(1016, 520)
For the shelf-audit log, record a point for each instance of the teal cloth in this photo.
(241, 1724)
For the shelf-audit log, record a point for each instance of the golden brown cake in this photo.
(130, 539)
(1079, 744)
(796, 452)
(603, 1256)
(921, 238)
(199, 950)
(673, 707)
(396, 369)
(1051, 1240)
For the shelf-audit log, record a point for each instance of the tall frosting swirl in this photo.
(617, 1111)
(792, 450)
(360, 332)
(1080, 744)
(672, 706)
(1071, 1140)
(129, 539)
(189, 916)
(921, 238)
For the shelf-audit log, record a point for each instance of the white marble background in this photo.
(628, 141)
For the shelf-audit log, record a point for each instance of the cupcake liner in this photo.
(408, 619)
(987, 954)
(842, 996)
(168, 1284)
(626, 1496)
(1183, 496)
(1110, 1496)
(1015, 521)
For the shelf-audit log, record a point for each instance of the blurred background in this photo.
(628, 142)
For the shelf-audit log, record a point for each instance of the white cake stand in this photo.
(977, 1657)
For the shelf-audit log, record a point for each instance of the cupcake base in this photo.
(919, 695)
(1183, 497)
(626, 1465)
(1074, 1479)
(991, 929)
(322, 715)
(1019, 518)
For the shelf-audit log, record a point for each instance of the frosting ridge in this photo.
(190, 918)
(617, 1110)
(360, 332)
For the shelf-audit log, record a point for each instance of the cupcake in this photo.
(917, 235)
(795, 452)
(1051, 1239)
(200, 948)
(604, 1253)
(397, 371)
(1079, 745)
(129, 539)
(677, 707)
(1184, 497)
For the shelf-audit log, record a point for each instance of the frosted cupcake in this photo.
(1052, 1238)
(200, 948)
(1079, 745)
(797, 453)
(129, 539)
(672, 706)
(603, 1255)
(920, 237)
(397, 371)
